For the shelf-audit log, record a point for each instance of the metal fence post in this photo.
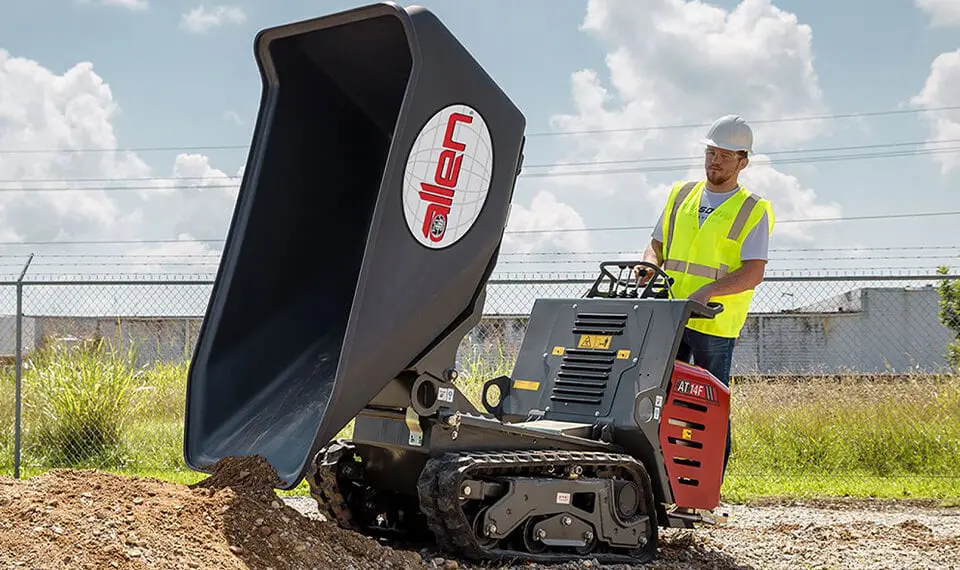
(761, 360)
(19, 387)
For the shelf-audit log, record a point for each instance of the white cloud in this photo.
(676, 63)
(233, 117)
(201, 191)
(42, 117)
(791, 199)
(128, 4)
(941, 12)
(201, 19)
(539, 227)
(673, 61)
(942, 89)
(56, 134)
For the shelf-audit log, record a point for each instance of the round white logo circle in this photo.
(447, 177)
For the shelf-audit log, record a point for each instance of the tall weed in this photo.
(880, 426)
(91, 405)
(78, 402)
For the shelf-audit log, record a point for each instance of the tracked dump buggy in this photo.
(368, 221)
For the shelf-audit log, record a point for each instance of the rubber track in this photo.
(428, 493)
(326, 491)
(442, 477)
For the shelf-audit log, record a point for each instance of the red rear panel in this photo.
(693, 435)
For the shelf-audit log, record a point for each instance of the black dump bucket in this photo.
(370, 213)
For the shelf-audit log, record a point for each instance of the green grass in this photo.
(893, 437)
(838, 436)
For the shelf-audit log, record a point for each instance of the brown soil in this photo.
(231, 520)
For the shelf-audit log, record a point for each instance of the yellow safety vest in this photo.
(695, 255)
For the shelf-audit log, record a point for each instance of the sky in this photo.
(855, 107)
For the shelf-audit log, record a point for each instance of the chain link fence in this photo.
(843, 379)
(798, 325)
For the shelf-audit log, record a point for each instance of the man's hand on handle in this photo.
(642, 274)
(654, 255)
(702, 295)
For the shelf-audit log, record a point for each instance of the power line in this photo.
(773, 152)
(115, 242)
(514, 232)
(40, 261)
(829, 117)
(797, 221)
(801, 160)
(234, 177)
(594, 172)
(164, 263)
(210, 255)
(776, 260)
(213, 257)
(125, 149)
(776, 250)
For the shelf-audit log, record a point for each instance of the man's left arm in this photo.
(754, 255)
(747, 277)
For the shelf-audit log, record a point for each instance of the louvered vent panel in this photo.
(582, 379)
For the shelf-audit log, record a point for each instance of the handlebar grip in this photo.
(708, 311)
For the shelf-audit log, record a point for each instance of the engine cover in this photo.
(693, 435)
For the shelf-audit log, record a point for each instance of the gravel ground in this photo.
(856, 534)
(233, 520)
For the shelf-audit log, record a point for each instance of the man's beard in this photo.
(717, 178)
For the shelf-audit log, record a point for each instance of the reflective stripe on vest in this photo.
(696, 269)
(684, 192)
(696, 255)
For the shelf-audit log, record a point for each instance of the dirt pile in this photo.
(231, 520)
(249, 476)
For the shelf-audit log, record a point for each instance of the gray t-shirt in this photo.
(756, 244)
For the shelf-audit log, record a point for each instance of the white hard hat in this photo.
(730, 132)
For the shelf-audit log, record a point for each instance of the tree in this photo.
(950, 312)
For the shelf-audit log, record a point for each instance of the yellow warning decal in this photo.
(526, 385)
(687, 433)
(594, 341)
(558, 351)
(623, 354)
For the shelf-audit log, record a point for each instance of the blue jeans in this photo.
(715, 354)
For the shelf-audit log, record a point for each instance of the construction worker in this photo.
(712, 240)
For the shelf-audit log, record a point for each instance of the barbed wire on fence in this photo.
(79, 267)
